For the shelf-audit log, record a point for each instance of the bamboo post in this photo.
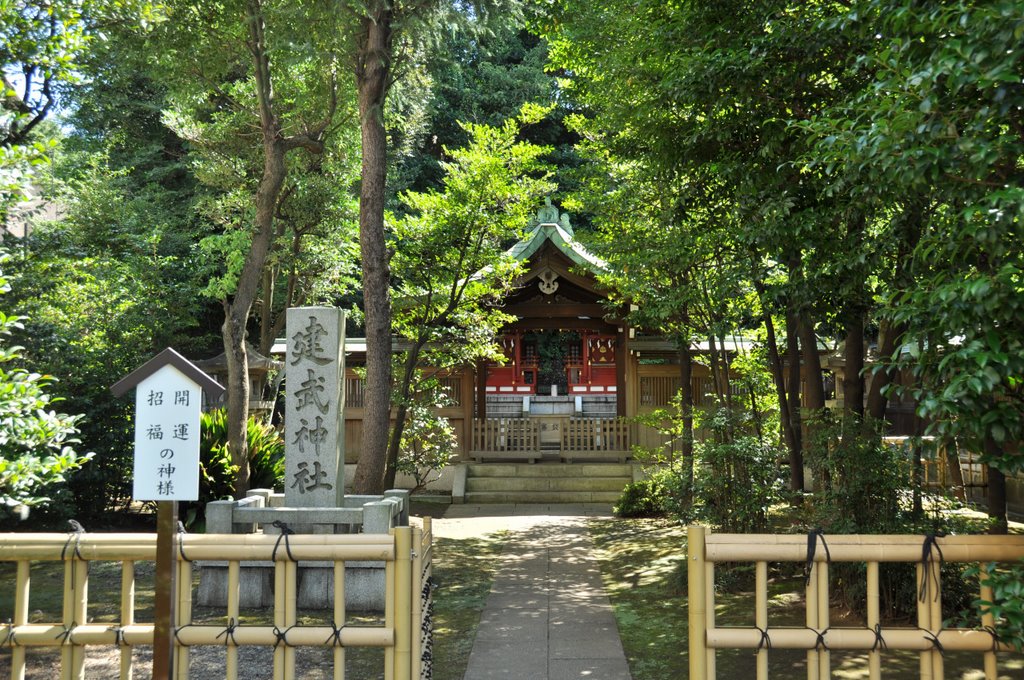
(231, 649)
(416, 621)
(935, 617)
(291, 582)
(761, 615)
(76, 598)
(403, 602)
(182, 613)
(279, 624)
(923, 622)
(811, 599)
(873, 620)
(339, 617)
(988, 621)
(22, 586)
(127, 614)
(389, 617)
(696, 596)
(709, 614)
(824, 657)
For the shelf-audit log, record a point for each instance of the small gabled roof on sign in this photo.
(168, 357)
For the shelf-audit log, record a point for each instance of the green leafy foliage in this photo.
(736, 484)
(642, 498)
(216, 471)
(36, 451)
(428, 443)
(1007, 603)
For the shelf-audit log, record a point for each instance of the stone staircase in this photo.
(546, 482)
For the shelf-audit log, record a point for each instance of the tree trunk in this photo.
(813, 385)
(686, 406)
(373, 77)
(996, 491)
(796, 459)
(888, 339)
(401, 412)
(238, 309)
(793, 397)
(853, 373)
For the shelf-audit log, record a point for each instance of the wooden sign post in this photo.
(168, 399)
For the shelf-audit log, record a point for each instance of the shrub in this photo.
(36, 452)
(428, 444)
(866, 488)
(216, 472)
(736, 483)
(642, 498)
(1007, 603)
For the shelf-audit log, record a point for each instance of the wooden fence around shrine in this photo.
(570, 438)
(818, 637)
(405, 634)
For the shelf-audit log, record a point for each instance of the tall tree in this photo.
(385, 33)
(268, 66)
(450, 262)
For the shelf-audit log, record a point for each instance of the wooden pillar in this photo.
(585, 357)
(517, 357)
(621, 356)
(481, 389)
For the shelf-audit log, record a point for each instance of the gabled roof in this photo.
(560, 239)
(556, 230)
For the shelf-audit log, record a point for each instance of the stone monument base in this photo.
(364, 585)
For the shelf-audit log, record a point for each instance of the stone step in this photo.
(549, 470)
(518, 484)
(485, 497)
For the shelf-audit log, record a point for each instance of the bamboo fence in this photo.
(406, 553)
(930, 638)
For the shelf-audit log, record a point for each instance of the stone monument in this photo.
(314, 406)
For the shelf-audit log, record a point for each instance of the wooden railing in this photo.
(520, 438)
(930, 638)
(406, 553)
(506, 435)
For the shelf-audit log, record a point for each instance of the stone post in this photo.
(314, 424)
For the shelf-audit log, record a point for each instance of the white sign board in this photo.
(167, 406)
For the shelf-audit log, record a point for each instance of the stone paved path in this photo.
(547, 616)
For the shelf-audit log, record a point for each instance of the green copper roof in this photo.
(550, 227)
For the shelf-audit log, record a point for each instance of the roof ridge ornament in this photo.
(548, 214)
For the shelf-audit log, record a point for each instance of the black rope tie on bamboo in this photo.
(880, 644)
(65, 635)
(812, 542)
(75, 536)
(988, 629)
(930, 544)
(118, 632)
(819, 643)
(281, 636)
(334, 639)
(181, 541)
(285, 532)
(177, 631)
(766, 641)
(229, 632)
(934, 639)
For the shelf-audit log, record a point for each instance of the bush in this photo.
(36, 452)
(866, 488)
(216, 472)
(736, 483)
(642, 498)
(1007, 603)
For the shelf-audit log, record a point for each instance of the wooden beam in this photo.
(554, 309)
